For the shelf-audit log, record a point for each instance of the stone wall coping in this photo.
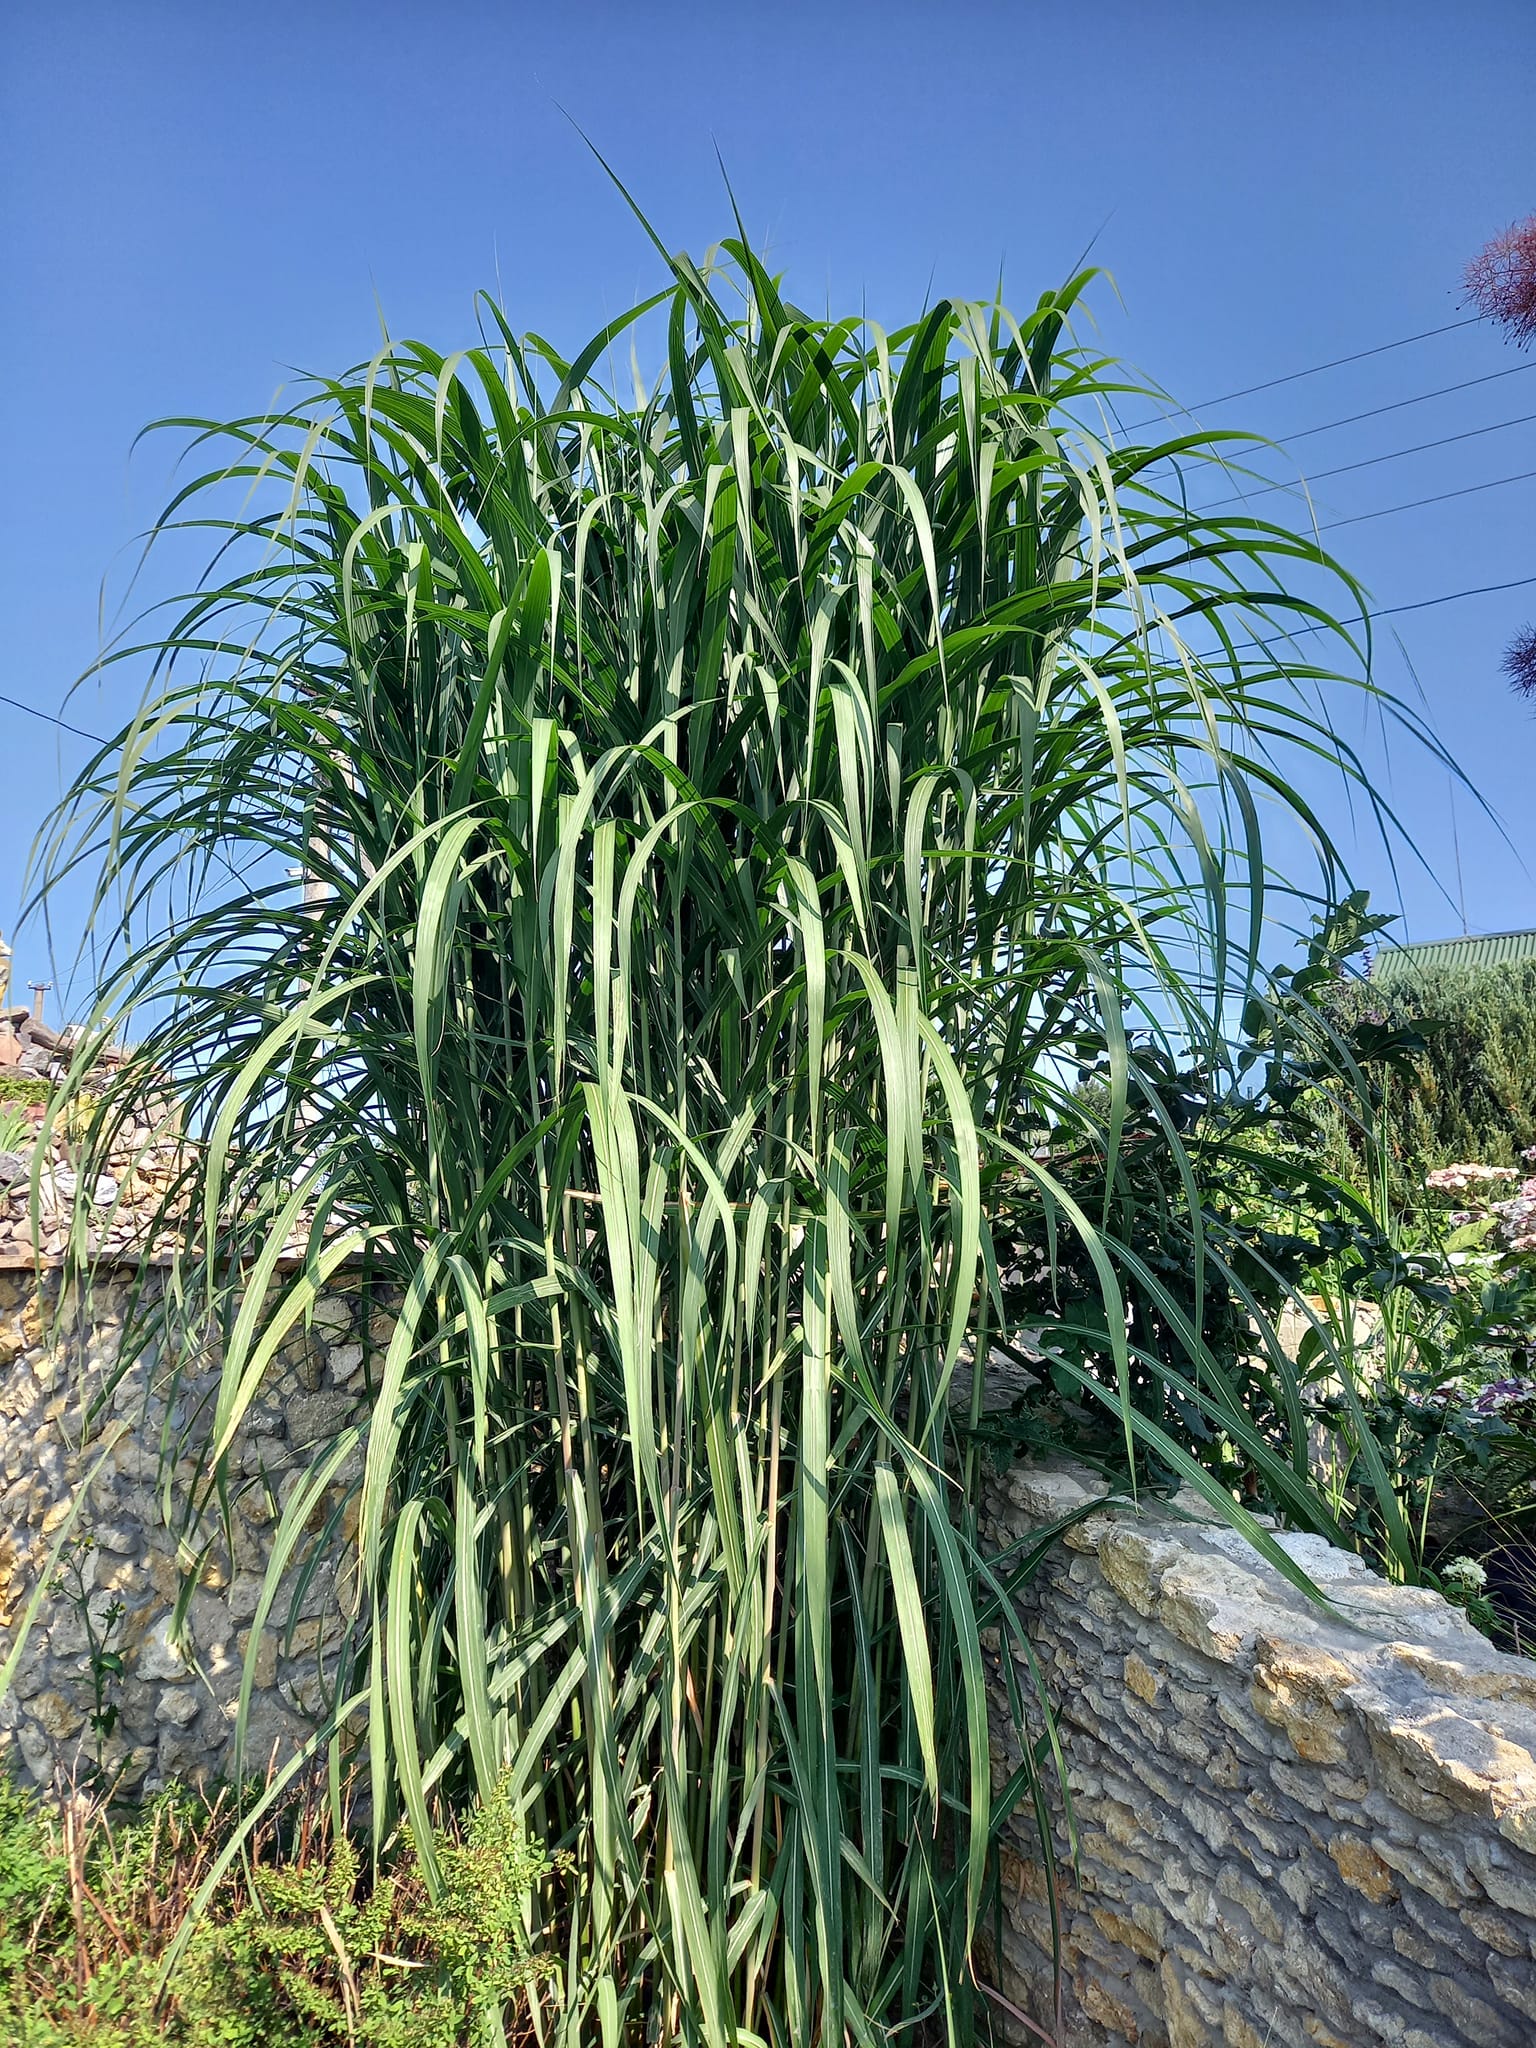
(1450, 1719)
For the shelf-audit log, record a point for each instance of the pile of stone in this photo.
(29, 1046)
(126, 1207)
(136, 1210)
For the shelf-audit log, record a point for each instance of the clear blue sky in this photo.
(199, 199)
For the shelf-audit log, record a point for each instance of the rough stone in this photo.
(346, 1362)
(178, 1705)
(161, 1659)
(314, 1417)
(127, 1573)
(1361, 1867)
(331, 1314)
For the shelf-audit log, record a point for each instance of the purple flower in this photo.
(1501, 1394)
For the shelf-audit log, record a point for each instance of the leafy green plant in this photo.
(16, 1130)
(1463, 1580)
(1452, 1402)
(33, 1893)
(1277, 1215)
(101, 1622)
(1470, 1091)
(27, 1090)
(310, 1961)
(644, 867)
(297, 1946)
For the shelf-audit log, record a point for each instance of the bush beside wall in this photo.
(1471, 1094)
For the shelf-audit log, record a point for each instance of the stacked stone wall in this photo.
(132, 1662)
(1295, 1828)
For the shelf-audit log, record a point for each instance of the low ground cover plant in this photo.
(298, 1944)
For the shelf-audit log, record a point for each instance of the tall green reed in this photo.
(634, 869)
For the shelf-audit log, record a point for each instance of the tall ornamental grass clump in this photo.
(634, 865)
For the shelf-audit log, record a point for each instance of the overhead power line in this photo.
(62, 723)
(1439, 498)
(1389, 611)
(1450, 597)
(1398, 404)
(1371, 461)
(1263, 490)
(1338, 362)
(1315, 370)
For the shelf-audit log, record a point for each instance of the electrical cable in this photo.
(1450, 597)
(1389, 611)
(1316, 370)
(1398, 404)
(1370, 461)
(1440, 498)
(62, 723)
(1263, 490)
(1421, 398)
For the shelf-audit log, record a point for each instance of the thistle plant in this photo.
(632, 866)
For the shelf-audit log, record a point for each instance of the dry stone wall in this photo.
(1295, 1829)
(108, 1674)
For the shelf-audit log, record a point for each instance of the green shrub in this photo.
(28, 1090)
(1471, 1092)
(33, 1884)
(315, 1956)
(301, 1949)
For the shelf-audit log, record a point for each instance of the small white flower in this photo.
(1465, 1574)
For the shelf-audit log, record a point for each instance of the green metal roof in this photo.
(1490, 949)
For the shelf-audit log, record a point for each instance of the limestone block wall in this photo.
(106, 1675)
(1295, 1829)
